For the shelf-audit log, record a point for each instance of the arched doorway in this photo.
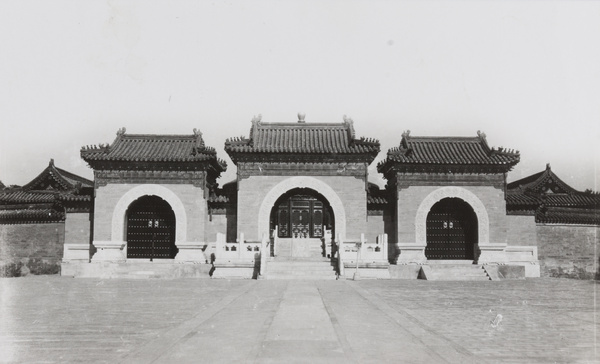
(302, 216)
(150, 229)
(451, 231)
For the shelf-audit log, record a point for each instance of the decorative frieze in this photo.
(357, 170)
(104, 177)
(405, 180)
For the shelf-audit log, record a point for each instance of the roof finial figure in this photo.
(348, 119)
(197, 133)
(301, 117)
(406, 134)
(481, 134)
(121, 131)
(257, 119)
(548, 166)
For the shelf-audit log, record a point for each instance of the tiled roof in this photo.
(376, 196)
(30, 215)
(544, 181)
(448, 151)
(45, 197)
(302, 138)
(522, 199)
(153, 148)
(558, 215)
(20, 196)
(552, 200)
(57, 179)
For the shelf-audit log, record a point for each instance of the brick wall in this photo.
(409, 200)
(77, 228)
(569, 251)
(38, 248)
(375, 226)
(521, 230)
(190, 196)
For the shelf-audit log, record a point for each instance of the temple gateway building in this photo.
(303, 206)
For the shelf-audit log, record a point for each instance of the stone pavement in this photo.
(56, 320)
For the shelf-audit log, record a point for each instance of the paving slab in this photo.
(50, 319)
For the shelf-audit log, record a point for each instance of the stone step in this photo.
(295, 277)
(300, 268)
(453, 272)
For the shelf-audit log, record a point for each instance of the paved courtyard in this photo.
(55, 320)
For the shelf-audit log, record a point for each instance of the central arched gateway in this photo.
(451, 231)
(304, 222)
(150, 229)
(302, 213)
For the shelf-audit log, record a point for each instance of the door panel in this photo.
(150, 229)
(449, 233)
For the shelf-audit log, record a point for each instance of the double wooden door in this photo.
(451, 231)
(150, 229)
(302, 217)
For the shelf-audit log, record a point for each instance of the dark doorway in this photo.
(302, 213)
(451, 230)
(150, 229)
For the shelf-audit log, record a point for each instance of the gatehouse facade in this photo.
(302, 205)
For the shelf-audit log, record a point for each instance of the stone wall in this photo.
(77, 228)
(188, 203)
(569, 251)
(347, 194)
(410, 199)
(31, 248)
(521, 230)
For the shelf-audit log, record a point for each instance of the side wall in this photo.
(350, 191)
(569, 251)
(77, 228)
(521, 230)
(37, 248)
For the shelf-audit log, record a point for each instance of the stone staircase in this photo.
(299, 247)
(453, 272)
(300, 269)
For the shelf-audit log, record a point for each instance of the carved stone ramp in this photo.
(453, 272)
(300, 269)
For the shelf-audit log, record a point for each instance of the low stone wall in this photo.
(31, 249)
(569, 251)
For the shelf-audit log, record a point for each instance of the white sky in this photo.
(527, 73)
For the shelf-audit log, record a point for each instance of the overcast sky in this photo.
(527, 73)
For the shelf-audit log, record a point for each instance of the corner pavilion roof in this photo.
(45, 198)
(301, 138)
(152, 149)
(455, 154)
(551, 200)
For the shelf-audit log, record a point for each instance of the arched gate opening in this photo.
(451, 231)
(150, 229)
(302, 217)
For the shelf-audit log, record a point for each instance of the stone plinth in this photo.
(191, 252)
(76, 252)
(492, 253)
(411, 253)
(109, 251)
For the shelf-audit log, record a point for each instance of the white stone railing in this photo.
(340, 259)
(239, 251)
(364, 251)
(275, 240)
(264, 252)
(327, 238)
